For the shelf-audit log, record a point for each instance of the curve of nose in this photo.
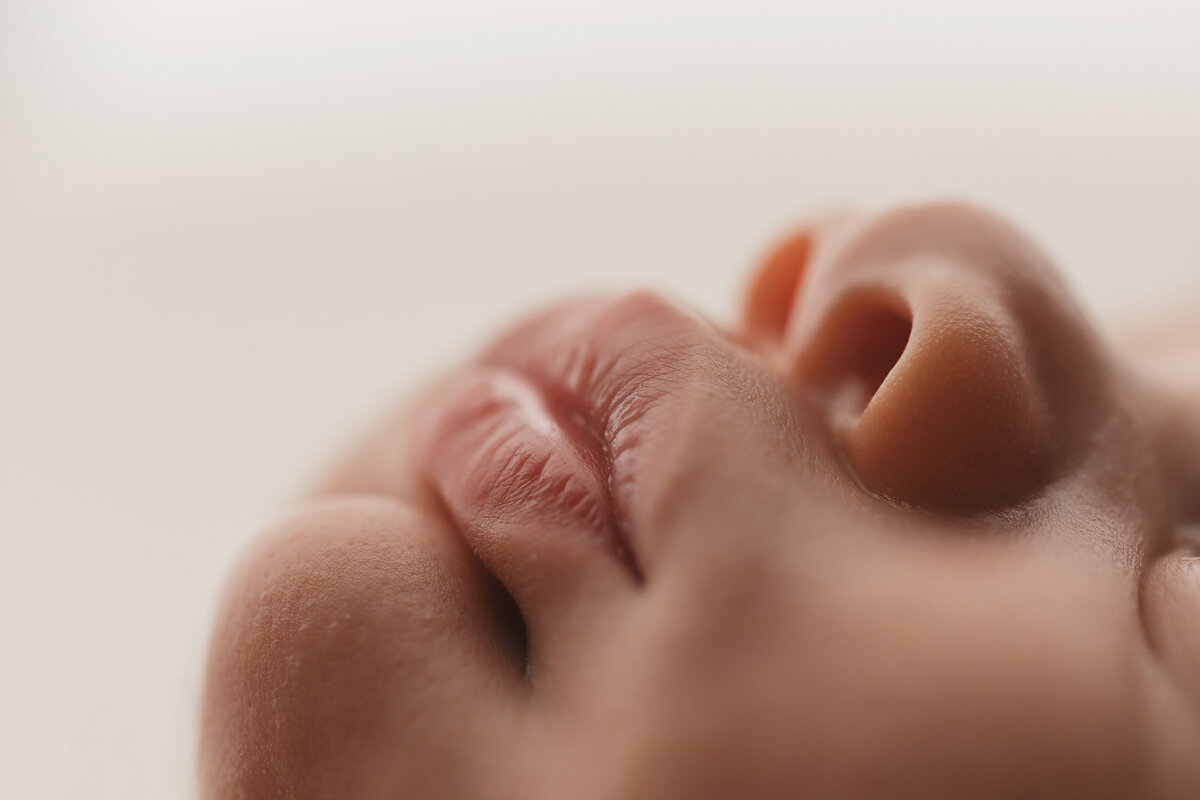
(944, 348)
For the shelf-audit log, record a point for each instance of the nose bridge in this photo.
(947, 353)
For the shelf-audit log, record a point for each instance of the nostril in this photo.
(866, 336)
(956, 371)
(932, 396)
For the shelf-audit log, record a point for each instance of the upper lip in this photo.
(612, 359)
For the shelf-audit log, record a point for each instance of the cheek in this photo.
(983, 671)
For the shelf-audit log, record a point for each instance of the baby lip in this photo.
(504, 451)
(616, 364)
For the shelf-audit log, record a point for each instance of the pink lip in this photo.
(501, 447)
(544, 424)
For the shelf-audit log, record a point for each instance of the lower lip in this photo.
(500, 449)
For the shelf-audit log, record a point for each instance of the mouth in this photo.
(549, 424)
(505, 447)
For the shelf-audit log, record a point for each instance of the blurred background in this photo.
(230, 231)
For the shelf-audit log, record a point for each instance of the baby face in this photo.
(910, 529)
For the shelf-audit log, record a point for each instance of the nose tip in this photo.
(942, 345)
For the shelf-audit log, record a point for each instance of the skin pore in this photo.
(911, 529)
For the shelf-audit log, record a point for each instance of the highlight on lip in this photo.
(510, 461)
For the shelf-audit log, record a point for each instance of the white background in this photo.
(230, 230)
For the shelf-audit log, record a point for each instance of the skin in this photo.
(912, 528)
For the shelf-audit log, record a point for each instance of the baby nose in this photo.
(945, 353)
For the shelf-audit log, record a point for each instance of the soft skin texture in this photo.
(910, 529)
